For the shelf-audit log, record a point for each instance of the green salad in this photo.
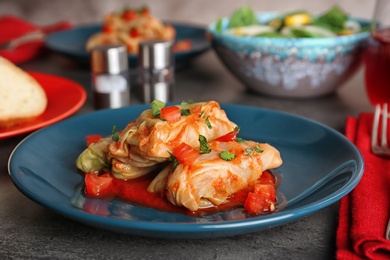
(297, 24)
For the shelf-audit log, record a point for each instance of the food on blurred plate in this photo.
(22, 97)
(131, 26)
(297, 24)
(185, 156)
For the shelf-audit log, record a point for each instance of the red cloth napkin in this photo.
(364, 212)
(12, 27)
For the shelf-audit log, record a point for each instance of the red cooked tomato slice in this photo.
(145, 11)
(254, 203)
(92, 139)
(129, 15)
(266, 190)
(134, 33)
(108, 29)
(171, 114)
(99, 186)
(267, 178)
(185, 154)
(257, 203)
(196, 110)
(231, 136)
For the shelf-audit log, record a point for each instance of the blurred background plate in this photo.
(71, 43)
(64, 97)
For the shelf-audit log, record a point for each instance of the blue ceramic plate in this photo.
(71, 43)
(320, 167)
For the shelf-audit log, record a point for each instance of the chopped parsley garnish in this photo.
(227, 156)
(175, 161)
(115, 134)
(240, 140)
(185, 112)
(208, 123)
(237, 128)
(203, 145)
(250, 150)
(257, 149)
(156, 106)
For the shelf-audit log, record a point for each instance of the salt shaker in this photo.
(110, 76)
(156, 70)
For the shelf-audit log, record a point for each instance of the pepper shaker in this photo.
(156, 70)
(110, 76)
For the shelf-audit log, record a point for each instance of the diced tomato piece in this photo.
(90, 139)
(171, 114)
(145, 11)
(134, 33)
(256, 204)
(108, 29)
(231, 136)
(196, 110)
(185, 154)
(266, 190)
(129, 15)
(99, 185)
(267, 178)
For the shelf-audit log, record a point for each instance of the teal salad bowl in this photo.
(289, 67)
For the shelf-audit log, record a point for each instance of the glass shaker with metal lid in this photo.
(156, 70)
(110, 76)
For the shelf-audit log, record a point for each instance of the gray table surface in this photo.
(30, 231)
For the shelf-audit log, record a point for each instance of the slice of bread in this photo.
(22, 98)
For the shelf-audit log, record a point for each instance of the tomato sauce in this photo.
(135, 191)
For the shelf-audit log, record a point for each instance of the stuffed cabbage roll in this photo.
(150, 140)
(95, 157)
(214, 176)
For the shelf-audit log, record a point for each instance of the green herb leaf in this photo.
(227, 156)
(203, 145)
(115, 134)
(240, 140)
(243, 17)
(218, 26)
(173, 159)
(185, 112)
(272, 35)
(332, 20)
(208, 123)
(156, 106)
(258, 150)
(302, 33)
(202, 114)
(250, 150)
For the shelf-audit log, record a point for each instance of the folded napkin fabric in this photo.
(12, 27)
(364, 212)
